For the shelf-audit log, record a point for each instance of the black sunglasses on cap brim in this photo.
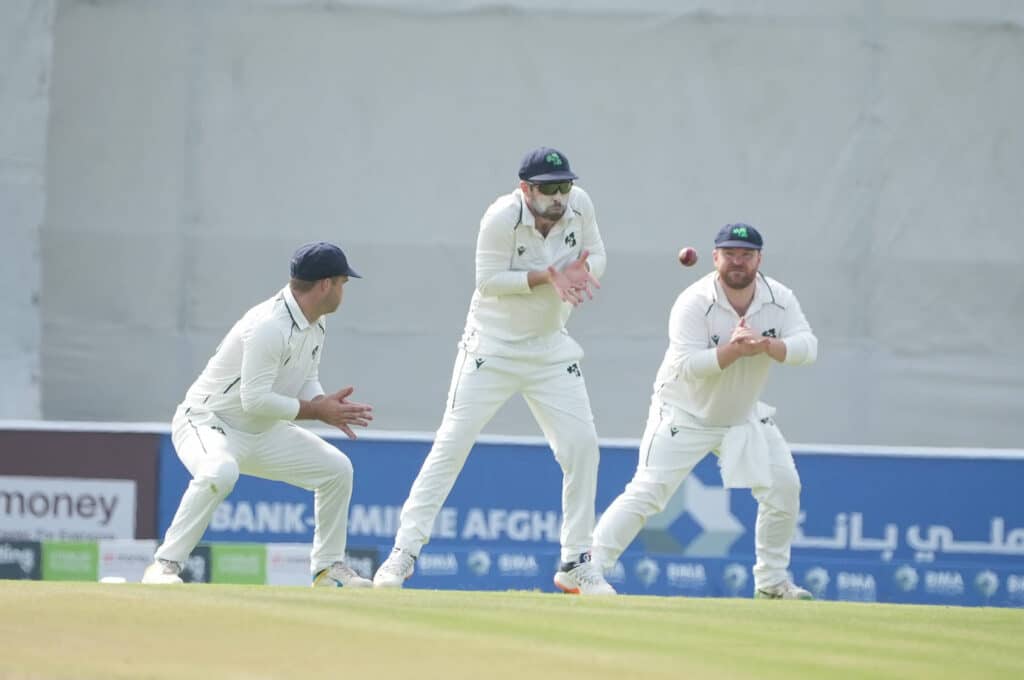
(553, 188)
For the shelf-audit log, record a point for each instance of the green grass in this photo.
(88, 630)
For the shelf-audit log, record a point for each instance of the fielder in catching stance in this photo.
(237, 419)
(538, 254)
(725, 331)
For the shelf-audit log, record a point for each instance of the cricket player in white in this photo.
(538, 254)
(725, 331)
(237, 418)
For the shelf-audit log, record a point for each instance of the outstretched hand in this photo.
(335, 409)
(574, 281)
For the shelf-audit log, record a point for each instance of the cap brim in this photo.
(737, 244)
(351, 273)
(557, 176)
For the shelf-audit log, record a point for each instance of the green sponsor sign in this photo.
(238, 563)
(71, 561)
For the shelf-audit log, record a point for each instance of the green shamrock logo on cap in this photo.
(553, 159)
(739, 232)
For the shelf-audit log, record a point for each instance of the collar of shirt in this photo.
(298, 318)
(529, 220)
(762, 295)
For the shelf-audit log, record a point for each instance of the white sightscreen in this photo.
(876, 145)
(25, 54)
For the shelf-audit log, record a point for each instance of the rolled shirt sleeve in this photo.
(262, 349)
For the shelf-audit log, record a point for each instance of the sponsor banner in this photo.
(363, 560)
(687, 578)
(637, 573)
(937, 515)
(1014, 584)
(20, 560)
(919, 510)
(886, 509)
(438, 563)
(66, 509)
(126, 558)
(954, 584)
(644, 574)
(509, 567)
(238, 563)
(197, 567)
(525, 510)
(70, 561)
(288, 564)
(84, 455)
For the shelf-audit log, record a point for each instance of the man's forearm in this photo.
(309, 410)
(263, 404)
(727, 355)
(538, 278)
(777, 350)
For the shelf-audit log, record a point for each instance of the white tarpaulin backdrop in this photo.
(25, 58)
(876, 144)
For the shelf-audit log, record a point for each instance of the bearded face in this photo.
(549, 206)
(737, 267)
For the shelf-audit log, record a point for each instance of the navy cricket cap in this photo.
(320, 260)
(544, 165)
(739, 235)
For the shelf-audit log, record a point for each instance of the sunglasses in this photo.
(555, 188)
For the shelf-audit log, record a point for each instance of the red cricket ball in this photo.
(687, 257)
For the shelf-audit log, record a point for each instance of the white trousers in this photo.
(556, 395)
(216, 454)
(671, 446)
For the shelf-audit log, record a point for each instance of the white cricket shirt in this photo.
(268, 361)
(506, 317)
(701, 320)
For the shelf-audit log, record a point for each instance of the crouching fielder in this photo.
(237, 419)
(725, 332)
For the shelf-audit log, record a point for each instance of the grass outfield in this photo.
(89, 630)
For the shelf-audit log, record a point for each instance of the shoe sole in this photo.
(320, 580)
(761, 595)
(358, 584)
(565, 589)
(162, 582)
(576, 591)
(386, 584)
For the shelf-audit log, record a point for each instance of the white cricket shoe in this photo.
(162, 572)
(399, 566)
(786, 590)
(582, 578)
(340, 574)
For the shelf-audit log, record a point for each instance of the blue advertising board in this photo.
(891, 528)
